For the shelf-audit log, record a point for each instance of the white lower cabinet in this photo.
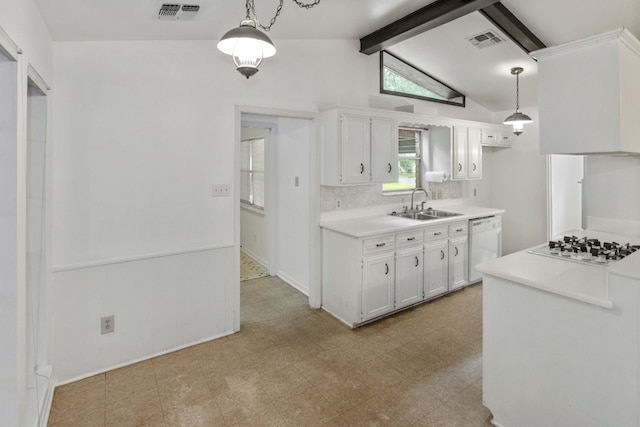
(458, 262)
(409, 276)
(367, 278)
(377, 285)
(436, 268)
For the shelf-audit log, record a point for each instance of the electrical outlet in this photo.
(107, 324)
(338, 204)
(220, 190)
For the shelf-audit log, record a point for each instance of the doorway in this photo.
(566, 175)
(38, 367)
(285, 233)
(255, 143)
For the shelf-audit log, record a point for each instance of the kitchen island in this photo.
(561, 341)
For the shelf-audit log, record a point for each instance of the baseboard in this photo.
(293, 283)
(46, 405)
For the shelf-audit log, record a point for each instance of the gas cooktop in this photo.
(585, 250)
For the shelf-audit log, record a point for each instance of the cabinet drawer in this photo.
(378, 244)
(409, 238)
(459, 229)
(435, 233)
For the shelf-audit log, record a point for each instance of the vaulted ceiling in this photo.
(481, 74)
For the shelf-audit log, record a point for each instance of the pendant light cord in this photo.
(251, 11)
(517, 92)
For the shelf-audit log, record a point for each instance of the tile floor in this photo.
(294, 366)
(250, 268)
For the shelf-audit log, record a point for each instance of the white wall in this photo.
(8, 240)
(293, 149)
(612, 199)
(253, 234)
(519, 185)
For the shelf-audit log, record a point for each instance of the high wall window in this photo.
(252, 172)
(398, 77)
(409, 161)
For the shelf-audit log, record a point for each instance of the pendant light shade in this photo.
(248, 46)
(517, 119)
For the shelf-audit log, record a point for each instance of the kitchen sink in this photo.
(425, 215)
(440, 214)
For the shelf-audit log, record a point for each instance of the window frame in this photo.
(427, 75)
(251, 172)
(419, 159)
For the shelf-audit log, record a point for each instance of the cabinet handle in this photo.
(410, 239)
(386, 266)
(456, 248)
(459, 230)
(379, 245)
(441, 254)
(459, 167)
(474, 167)
(389, 165)
(417, 262)
(361, 168)
(438, 233)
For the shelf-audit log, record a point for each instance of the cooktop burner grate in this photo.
(586, 250)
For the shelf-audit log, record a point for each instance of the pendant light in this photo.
(517, 119)
(247, 45)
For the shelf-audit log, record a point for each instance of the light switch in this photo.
(297, 181)
(220, 190)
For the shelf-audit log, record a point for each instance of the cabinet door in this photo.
(384, 150)
(355, 134)
(474, 153)
(377, 285)
(458, 262)
(436, 268)
(409, 276)
(459, 155)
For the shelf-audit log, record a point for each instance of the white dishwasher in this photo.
(485, 243)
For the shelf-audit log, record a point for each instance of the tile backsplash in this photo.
(361, 196)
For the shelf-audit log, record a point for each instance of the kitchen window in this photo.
(252, 172)
(409, 161)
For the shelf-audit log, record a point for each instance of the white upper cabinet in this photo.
(497, 136)
(467, 153)
(474, 153)
(358, 147)
(459, 151)
(589, 95)
(384, 150)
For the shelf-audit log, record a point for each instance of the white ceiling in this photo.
(482, 75)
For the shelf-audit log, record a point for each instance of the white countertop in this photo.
(582, 282)
(381, 224)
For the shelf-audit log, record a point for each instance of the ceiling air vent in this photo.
(485, 39)
(175, 12)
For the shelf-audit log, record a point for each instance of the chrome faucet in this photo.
(414, 192)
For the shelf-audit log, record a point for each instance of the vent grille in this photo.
(175, 12)
(485, 39)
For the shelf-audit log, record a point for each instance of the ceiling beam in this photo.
(431, 16)
(513, 28)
